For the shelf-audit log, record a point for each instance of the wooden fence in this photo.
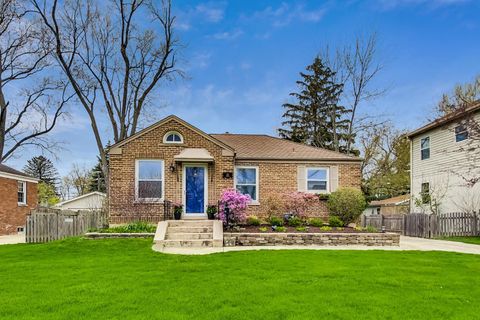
(427, 225)
(44, 225)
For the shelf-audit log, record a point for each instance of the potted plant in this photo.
(211, 211)
(177, 211)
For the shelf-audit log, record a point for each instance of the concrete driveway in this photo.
(12, 239)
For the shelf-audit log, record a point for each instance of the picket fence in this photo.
(46, 224)
(427, 225)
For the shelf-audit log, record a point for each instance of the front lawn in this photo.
(472, 240)
(125, 279)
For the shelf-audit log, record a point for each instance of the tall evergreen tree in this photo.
(97, 178)
(43, 169)
(317, 118)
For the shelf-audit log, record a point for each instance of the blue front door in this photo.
(194, 189)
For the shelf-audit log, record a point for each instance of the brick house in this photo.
(18, 195)
(172, 160)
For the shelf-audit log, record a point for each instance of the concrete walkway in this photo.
(12, 239)
(406, 243)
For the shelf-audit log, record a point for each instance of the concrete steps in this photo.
(189, 234)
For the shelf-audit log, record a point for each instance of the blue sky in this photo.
(242, 59)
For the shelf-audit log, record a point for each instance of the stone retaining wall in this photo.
(231, 239)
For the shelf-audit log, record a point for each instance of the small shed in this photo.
(89, 201)
(395, 205)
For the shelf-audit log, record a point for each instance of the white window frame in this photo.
(429, 148)
(465, 131)
(327, 169)
(172, 142)
(137, 172)
(24, 187)
(257, 184)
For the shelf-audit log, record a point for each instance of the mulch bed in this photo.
(310, 229)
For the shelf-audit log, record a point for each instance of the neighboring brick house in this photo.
(173, 160)
(18, 195)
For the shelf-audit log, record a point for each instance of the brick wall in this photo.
(124, 208)
(275, 177)
(13, 215)
(279, 178)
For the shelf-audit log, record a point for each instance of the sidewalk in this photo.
(12, 239)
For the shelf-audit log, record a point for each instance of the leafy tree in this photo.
(43, 169)
(386, 166)
(46, 194)
(97, 178)
(316, 118)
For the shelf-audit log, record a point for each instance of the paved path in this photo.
(12, 239)
(406, 243)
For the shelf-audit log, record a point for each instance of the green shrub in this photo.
(135, 227)
(301, 229)
(358, 228)
(371, 229)
(335, 221)
(280, 229)
(347, 204)
(263, 229)
(276, 221)
(253, 221)
(326, 228)
(295, 221)
(315, 222)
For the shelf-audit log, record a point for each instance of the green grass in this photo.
(472, 240)
(125, 279)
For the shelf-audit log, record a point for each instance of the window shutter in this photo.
(301, 178)
(333, 178)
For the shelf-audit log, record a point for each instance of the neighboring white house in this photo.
(445, 164)
(90, 201)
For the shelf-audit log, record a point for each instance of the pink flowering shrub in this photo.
(237, 205)
(297, 203)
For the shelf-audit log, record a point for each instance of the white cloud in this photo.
(392, 4)
(212, 12)
(285, 14)
(228, 35)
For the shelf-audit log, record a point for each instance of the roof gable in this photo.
(164, 121)
(10, 173)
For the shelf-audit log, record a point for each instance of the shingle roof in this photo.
(264, 147)
(7, 169)
(391, 201)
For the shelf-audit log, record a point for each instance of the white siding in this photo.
(449, 161)
(90, 202)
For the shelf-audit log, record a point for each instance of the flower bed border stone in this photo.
(104, 235)
(231, 239)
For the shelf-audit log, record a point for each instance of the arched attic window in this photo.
(172, 137)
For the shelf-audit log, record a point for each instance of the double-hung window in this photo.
(425, 148)
(425, 193)
(149, 180)
(317, 179)
(22, 192)
(246, 181)
(461, 133)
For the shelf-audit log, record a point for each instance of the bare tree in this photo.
(29, 102)
(114, 56)
(356, 67)
(77, 179)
